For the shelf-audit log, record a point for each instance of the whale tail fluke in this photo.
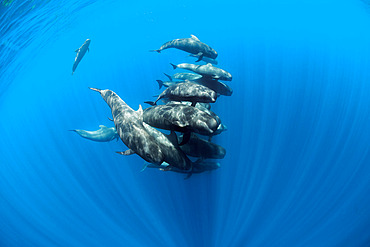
(72, 130)
(95, 89)
(159, 51)
(160, 83)
(152, 103)
(169, 77)
(173, 65)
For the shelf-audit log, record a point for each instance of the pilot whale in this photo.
(187, 91)
(80, 54)
(192, 45)
(130, 128)
(174, 155)
(183, 76)
(215, 85)
(104, 134)
(198, 147)
(182, 118)
(207, 70)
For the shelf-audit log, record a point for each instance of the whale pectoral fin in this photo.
(200, 56)
(144, 167)
(127, 152)
(150, 103)
(185, 138)
(193, 104)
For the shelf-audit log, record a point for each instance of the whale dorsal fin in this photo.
(194, 37)
(102, 127)
(140, 112)
(209, 65)
(77, 50)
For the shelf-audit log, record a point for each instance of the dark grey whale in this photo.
(198, 147)
(130, 128)
(80, 54)
(217, 86)
(180, 117)
(192, 45)
(187, 91)
(173, 154)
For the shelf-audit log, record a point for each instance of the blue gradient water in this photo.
(297, 168)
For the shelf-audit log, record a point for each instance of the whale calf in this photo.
(187, 91)
(183, 76)
(80, 54)
(205, 70)
(104, 134)
(192, 45)
(130, 128)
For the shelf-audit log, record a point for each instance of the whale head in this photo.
(211, 53)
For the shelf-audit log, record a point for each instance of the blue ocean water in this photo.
(297, 168)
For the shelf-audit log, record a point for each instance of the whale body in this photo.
(207, 70)
(192, 45)
(104, 134)
(80, 54)
(130, 128)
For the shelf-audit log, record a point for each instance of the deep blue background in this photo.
(297, 169)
